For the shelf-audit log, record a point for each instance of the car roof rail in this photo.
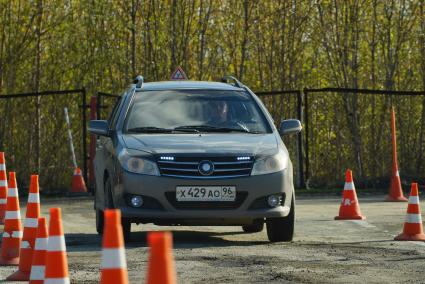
(138, 81)
(235, 82)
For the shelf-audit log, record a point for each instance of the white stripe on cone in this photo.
(3, 183)
(413, 199)
(414, 218)
(397, 174)
(37, 272)
(349, 186)
(31, 222)
(12, 192)
(33, 198)
(2, 167)
(56, 280)
(3, 201)
(41, 244)
(12, 215)
(17, 234)
(56, 243)
(25, 245)
(113, 258)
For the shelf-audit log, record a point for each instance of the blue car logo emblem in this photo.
(206, 168)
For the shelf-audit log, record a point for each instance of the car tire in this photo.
(126, 229)
(282, 229)
(99, 221)
(253, 228)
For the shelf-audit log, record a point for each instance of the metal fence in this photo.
(327, 146)
(19, 135)
(320, 153)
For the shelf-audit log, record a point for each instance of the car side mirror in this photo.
(290, 126)
(99, 127)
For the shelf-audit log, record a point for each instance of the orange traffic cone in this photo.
(349, 209)
(38, 263)
(56, 261)
(161, 268)
(396, 192)
(412, 229)
(114, 265)
(3, 187)
(30, 233)
(78, 184)
(12, 226)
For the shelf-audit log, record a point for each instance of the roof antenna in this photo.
(138, 81)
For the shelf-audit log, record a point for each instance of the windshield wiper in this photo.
(211, 128)
(149, 129)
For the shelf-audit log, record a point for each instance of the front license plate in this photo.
(206, 193)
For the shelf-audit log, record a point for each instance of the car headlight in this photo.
(138, 165)
(270, 164)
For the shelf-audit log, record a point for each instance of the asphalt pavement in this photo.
(323, 250)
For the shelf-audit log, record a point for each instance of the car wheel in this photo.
(253, 228)
(99, 221)
(126, 229)
(125, 223)
(282, 229)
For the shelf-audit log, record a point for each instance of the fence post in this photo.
(92, 146)
(306, 123)
(84, 125)
(300, 163)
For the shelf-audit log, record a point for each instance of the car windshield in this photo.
(195, 111)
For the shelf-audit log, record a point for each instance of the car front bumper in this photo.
(160, 204)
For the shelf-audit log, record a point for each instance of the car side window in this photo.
(116, 112)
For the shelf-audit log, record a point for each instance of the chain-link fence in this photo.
(33, 135)
(343, 128)
(350, 128)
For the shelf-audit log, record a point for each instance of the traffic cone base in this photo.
(9, 262)
(350, 218)
(19, 276)
(406, 237)
(12, 257)
(395, 199)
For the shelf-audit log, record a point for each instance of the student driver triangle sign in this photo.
(178, 74)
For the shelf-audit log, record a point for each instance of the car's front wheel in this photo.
(126, 229)
(99, 221)
(125, 223)
(282, 229)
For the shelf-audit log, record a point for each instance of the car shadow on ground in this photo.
(182, 239)
(185, 239)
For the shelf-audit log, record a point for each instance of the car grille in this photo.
(187, 167)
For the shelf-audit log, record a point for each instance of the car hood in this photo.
(251, 144)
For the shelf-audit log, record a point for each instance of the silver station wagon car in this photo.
(195, 153)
